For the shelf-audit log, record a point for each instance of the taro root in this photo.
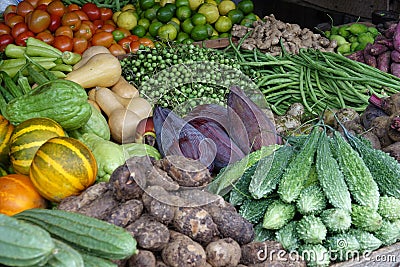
(123, 183)
(254, 252)
(223, 252)
(393, 150)
(149, 233)
(185, 171)
(161, 178)
(126, 213)
(144, 258)
(161, 211)
(196, 223)
(160, 263)
(184, 252)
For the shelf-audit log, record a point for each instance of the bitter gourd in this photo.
(311, 200)
(293, 179)
(359, 179)
(287, 236)
(367, 241)
(254, 209)
(389, 232)
(336, 220)
(343, 246)
(389, 208)
(311, 229)
(64, 256)
(330, 176)
(365, 218)
(278, 214)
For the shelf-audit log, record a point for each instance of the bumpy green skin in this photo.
(389, 232)
(389, 208)
(359, 179)
(97, 124)
(336, 220)
(64, 256)
(240, 191)
(278, 214)
(296, 174)
(384, 168)
(311, 229)
(330, 176)
(367, 241)
(315, 255)
(270, 170)
(343, 246)
(365, 218)
(23, 244)
(311, 200)
(261, 234)
(94, 236)
(287, 236)
(253, 210)
(92, 261)
(61, 100)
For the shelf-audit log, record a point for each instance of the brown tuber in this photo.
(144, 258)
(223, 253)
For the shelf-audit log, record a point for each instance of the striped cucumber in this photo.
(93, 261)
(64, 256)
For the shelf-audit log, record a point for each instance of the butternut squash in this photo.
(107, 100)
(100, 70)
(123, 123)
(90, 52)
(124, 89)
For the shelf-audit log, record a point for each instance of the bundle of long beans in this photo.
(319, 80)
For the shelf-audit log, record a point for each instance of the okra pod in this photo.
(14, 51)
(62, 67)
(36, 43)
(10, 85)
(70, 58)
(58, 74)
(38, 51)
(19, 62)
(23, 83)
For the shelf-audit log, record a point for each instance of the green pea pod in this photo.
(357, 28)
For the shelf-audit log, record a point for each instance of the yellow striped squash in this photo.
(62, 167)
(6, 130)
(26, 139)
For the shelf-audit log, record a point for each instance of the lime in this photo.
(144, 22)
(251, 16)
(150, 13)
(210, 29)
(199, 33)
(194, 4)
(164, 2)
(223, 24)
(182, 36)
(210, 11)
(225, 6)
(146, 4)
(180, 3)
(177, 21)
(199, 19)
(176, 25)
(183, 12)
(139, 31)
(224, 35)
(247, 6)
(247, 22)
(212, 2)
(167, 32)
(236, 16)
(154, 26)
(187, 26)
(164, 14)
(127, 20)
(171, 6)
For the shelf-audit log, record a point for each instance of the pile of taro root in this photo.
(176, 222)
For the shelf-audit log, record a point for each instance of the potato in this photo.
(184, 252)
(149, 233)
(223, 252)
(126, 213)
(144, 258)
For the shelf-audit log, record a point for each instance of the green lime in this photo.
(144, 22)
(199, 33)
(194, 4)
(176, 25)
(139, 31)
(187, 26)
(236, 16)
(223, 24)
(210, 29)
(251, 16)
(210, 11)
(180, 3)
(182, 36)
(164, 14)
(118, 35)
(247, 22)
(247, 6)
(199, 19)
(150, 13)
(171, 6)
(153, 29)
(167, 32)
(146, 4)
(224, 35)
(225, 6)
(183, 12)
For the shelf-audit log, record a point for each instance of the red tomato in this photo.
(45, 36)
(92, 11)
(4, 29)
(84, 32)
(63, 43)
(80, 45)
(57, 8)
(73, 7)
(21, 39)
(108, 28)
(90, 24)
(146, 42)
(125, 31)
(98, 23)
(38, 21)
(24, 8)
(134, 46)
(12, 18)
(110, 22)
(19, 28)
(10, 9)
(72, 20)
(6, 39)
(125, 43)
(116, 50)
(34, 3)
(55, 22)
(42, 7)
(44, 2)
(133, 38)
(103, 38)
(106, 13)
(64, 30)
(82, 15)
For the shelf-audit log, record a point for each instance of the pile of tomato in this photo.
(66, 27)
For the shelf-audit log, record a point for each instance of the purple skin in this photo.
(357, 56)
(395, 69)
(395, 56)
(396, 38)
(383, 61)
(369, 59)
(377, 49)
